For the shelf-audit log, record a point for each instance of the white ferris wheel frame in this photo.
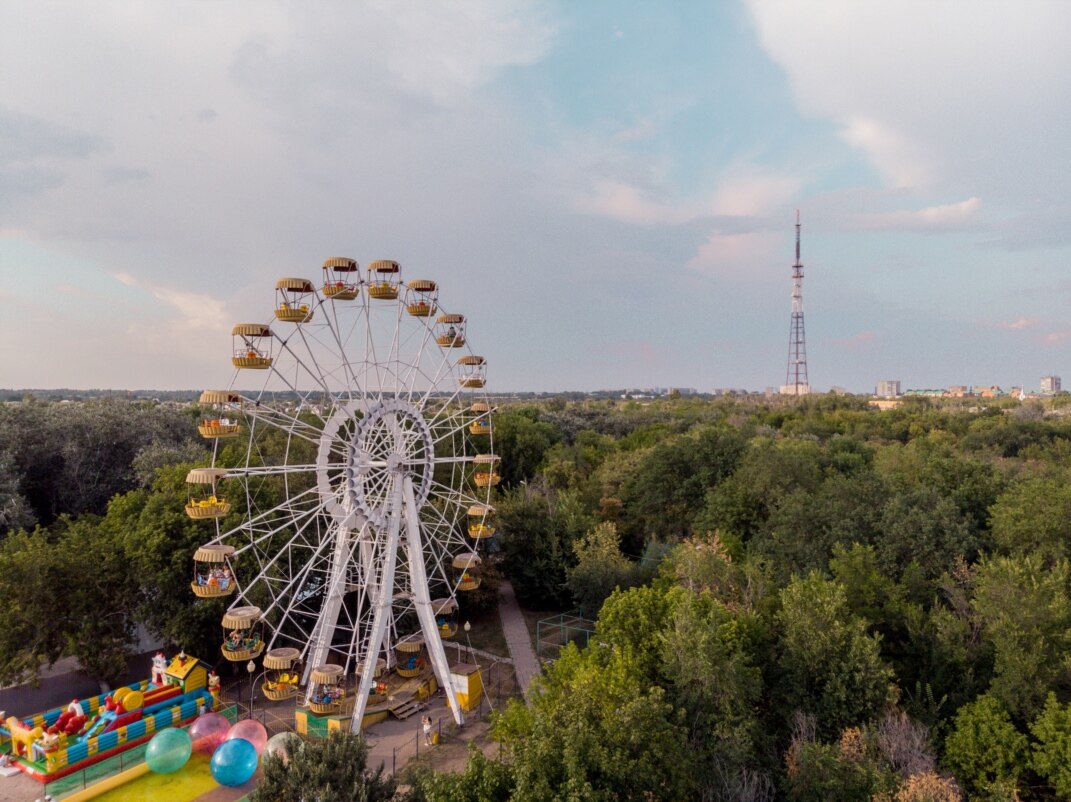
(388, 398)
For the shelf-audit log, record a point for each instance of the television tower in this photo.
(796, 377)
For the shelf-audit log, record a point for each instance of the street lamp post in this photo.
(468, 628)
(251, 667)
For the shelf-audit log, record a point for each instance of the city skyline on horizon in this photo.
(620, 180)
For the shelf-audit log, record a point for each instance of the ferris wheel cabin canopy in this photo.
(213, 554)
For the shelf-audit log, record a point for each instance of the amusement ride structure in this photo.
(359, 472)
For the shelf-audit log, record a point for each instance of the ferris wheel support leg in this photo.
(381, 601)
(422, 601)
(325, 627)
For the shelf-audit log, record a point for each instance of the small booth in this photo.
(294, 299)
(445, 612)
(481, 423)
(213, 575)
(486, 473)
(204, 501)
(252, 346)
(216, 420)
(481, 521)
(243, 634)
(421, 297)
(450, 330)
(384, 278)
(468, 685)
(410, 655)
(342, 281)
(328, 689)
(282, 680)
(472, 371)
(467, 570)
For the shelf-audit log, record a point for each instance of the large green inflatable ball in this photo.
(168, 750)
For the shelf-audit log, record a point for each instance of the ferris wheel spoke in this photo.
(298, 582)
(285, 506)
(272, 470)
(460, 497)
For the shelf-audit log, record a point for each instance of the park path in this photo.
(518, 639)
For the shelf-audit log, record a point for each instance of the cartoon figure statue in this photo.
(214, 687)
(159, 666)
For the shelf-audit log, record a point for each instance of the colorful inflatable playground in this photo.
(58, 742)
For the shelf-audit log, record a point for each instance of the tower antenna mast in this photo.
(796, 382)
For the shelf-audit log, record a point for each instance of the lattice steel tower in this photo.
(796, 377)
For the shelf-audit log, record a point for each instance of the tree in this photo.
(708, 659)
(521, 441)
(831, 667)
(483, 780)
(595, 730)
(1033, 515)
(924, 529)
(537, 533)
(67, 592)
(600, 569)
(630, 621)
(333, 769)
(1025, 612)
(1052, 752)
(984, 747)
(34, 584)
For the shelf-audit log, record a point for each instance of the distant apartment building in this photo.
(1050, 385)
(958, 391)
(888, 388)
(794, 389)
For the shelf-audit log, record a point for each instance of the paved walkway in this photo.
(518, 639)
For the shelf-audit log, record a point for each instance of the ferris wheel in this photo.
(364, 463)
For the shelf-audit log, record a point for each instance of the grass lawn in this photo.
(486, 633)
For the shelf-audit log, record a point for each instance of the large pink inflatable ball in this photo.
(250, 730)
(168, 750)
(208, 731)
(233, 762)
(283, 745)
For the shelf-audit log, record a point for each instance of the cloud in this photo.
(620, 201)
(196, 310)
(1016, 325)
(945, 217)
(740, 254)
(25, 138)
(121, 175)
(643, 129)
(747, 190)
(963, 95)
(1055, 337)
(861, 340)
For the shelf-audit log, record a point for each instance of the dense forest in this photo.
(802, 601)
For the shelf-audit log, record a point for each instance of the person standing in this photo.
(426, 722)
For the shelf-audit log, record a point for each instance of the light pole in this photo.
(468, 628)
(251, 667)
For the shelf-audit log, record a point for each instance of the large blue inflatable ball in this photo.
(234, 762)
(168, 750)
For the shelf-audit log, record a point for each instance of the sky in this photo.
(608, 190)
